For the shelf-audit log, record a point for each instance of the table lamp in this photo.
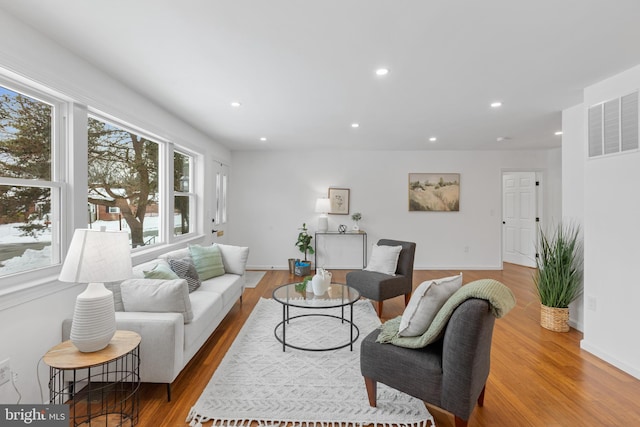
(323, 206)
(95, 257)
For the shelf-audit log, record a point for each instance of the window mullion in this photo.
(166, 193)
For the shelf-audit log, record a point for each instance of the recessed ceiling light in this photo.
(355, 125)
(263, 139)
(496, 104)
(503, 138)
(433, 139)
(235, 104)
(382, 71)
(558, 133)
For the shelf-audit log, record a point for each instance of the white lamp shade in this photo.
(323, 205)
(95, 257)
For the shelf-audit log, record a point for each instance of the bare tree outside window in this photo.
(123, 173)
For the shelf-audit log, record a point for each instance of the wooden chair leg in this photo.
(379, 308)
(407, 297)
(459, 422)
(481, 397)
(372, 390)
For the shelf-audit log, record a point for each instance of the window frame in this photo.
(162, 170)
(57, 183)
(69, 140)
(193, 199)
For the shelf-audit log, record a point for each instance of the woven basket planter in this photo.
(554, 319)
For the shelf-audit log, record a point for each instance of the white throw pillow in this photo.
(157, 296)
(425, 303)
(234, 258)
(384, 259)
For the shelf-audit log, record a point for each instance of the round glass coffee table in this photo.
(337, 296)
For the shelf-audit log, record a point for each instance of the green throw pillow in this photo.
(208, 261)
(161, 271)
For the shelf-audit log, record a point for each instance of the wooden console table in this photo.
(347, 233)
(101, 387)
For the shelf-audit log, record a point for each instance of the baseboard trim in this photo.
(599, 353)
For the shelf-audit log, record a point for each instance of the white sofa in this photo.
(170, 339)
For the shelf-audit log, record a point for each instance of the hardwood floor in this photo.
(538, 377)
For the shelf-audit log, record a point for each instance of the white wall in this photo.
(573, 160)
(275, 192)
(612, 233)
(30, 321)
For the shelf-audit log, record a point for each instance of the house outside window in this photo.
(30, 187)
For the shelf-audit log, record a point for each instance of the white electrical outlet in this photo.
(5, 371)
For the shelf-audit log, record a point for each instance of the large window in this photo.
(136, 182)
(29, 187)
(123, 173)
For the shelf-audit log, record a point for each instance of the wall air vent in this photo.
(613, 126)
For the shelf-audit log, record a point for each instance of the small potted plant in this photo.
(304, 245)
(304, 286)
(357, 216)
(558, 277)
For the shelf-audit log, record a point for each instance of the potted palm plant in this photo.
(558, 277)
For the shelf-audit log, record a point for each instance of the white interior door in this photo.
(519, 218)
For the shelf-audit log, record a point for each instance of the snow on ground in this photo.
(32, 259)
(29, 260)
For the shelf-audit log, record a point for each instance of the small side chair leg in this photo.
(459, 422)
(407, 297)
(372, 390)
(481, 397)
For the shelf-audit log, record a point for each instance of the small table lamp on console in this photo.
(95, 257)
(323, 206)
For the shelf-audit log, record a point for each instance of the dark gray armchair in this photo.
(450, 373)
(380, 286)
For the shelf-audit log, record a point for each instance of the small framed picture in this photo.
(339, 198)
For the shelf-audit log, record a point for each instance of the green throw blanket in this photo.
(500, 298)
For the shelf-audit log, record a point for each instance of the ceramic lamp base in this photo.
(94, 319)
(323, 223)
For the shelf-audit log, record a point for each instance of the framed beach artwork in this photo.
(339, 198)
(434, 192)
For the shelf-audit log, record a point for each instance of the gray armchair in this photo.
(380, 286)
(450, 373)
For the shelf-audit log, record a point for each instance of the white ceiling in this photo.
(304, 70)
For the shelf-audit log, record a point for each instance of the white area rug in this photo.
(252, 278)
(257, 381)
